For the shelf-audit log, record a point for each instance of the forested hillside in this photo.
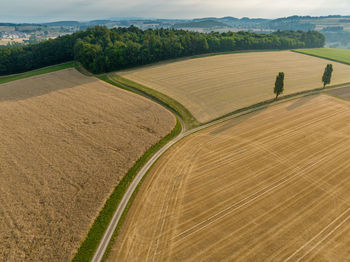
(100, 49)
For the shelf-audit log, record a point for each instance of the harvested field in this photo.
(213, 86)
(270, 186)
(66, 141)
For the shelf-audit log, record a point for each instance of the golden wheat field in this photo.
(66, 141)
(269, 186)
(212, 86)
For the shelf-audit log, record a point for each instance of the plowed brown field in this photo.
(341, 92)
(213, 86)
(269, 186)
(66, 141)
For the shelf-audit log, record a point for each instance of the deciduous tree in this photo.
(327, 75)
(279, 84)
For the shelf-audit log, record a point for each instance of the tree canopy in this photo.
(100, 49)
(327, 75)
(279, 84)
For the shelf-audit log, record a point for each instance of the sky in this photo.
(83, 10)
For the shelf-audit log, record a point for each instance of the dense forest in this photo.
(100, 49)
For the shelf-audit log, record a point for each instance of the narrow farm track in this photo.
(269, 186)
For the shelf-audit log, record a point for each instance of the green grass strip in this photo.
(168, 102)
(332, 54)
(121, 222)
(44, 70)
(96, 232)
(122, 219)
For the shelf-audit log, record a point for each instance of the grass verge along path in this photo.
(91, 242)
(159, 97)
(44, 70)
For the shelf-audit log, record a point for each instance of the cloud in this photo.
(93, 9)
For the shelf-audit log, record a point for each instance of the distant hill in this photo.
(229, 20)
(295, 17)
(205, 19)
(7, 24)
(76, 23)
(19, 24)
(63, 23)
(98, 22)
(201, 24)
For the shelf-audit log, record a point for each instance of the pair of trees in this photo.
(279, 84)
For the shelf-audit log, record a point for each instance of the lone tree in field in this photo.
(279, 84)
(327, 75)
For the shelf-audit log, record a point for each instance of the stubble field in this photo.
(212, 86)
(270, 186)
(66, 141)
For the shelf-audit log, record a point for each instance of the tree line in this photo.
(100, 49)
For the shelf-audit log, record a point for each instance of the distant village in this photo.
(336, 29)
(12, 35)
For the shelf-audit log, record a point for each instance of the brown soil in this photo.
(341, 92)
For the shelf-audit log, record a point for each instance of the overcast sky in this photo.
(53, 10)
